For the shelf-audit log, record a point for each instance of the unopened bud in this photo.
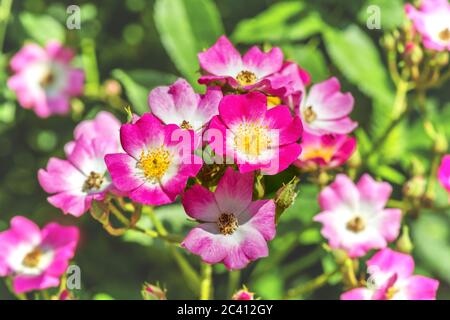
(404, 243)
(440, 144)
(243, 294)
(286, 195)
(389, 42)
(415, 187)
(442, 59)
(355, 160)
(151, 292)
(112, 87)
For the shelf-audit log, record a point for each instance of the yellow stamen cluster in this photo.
(186, 125)
(309, 115)
(246, 78)
(357, 224)
(227, 223)
(47, 79)
(252, 139)
(325, 153)
(33, 258)
(391, 292)
(93, 181)
(444, 35)
(155, 163)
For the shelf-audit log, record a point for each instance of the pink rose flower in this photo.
(325, 109)
(179, 104)
(156, 165)
(105, 125)
(44, 79)
(432, 21)
(391, 278)
(444, 173)
(327, 151)
(224, 65)
(80, 179)
(234, 229)
(35, 258)
(254, 137)
(354, 217)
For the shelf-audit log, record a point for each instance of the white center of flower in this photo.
(356, 224)
(252, 139)
(155, 163)
(227, 223)
(246, 78)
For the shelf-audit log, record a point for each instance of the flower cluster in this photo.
(259, 115)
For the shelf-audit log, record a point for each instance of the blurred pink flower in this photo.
(257, 138)
(391, 278)
(104, 125)
(234, 229)
(44, 79)
(432, 21)
(444, 173)
(224, 65)
(327, 151)
(80, 179)
(36, 258)
(354, 217)
(179, 104)
(156, 165)
(325, 109)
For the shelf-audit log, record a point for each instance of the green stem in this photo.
(5, 12)
(310, 286)
(302, 263)
(118, 214)
(234, 278)
(190, 275)
(206, 282)
(90, 65)
(399, 112)
(429, 193)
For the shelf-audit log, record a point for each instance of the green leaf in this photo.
(431, 238)
(138, 84)
(357, 57)
(186, 27)
(42, 28)
(388, 173)
(102, 296)
(305, 205)
(281, 22)
(391, 12)
(310, 59)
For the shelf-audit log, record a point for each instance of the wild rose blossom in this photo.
(156, 165)
(391, 278)
(179, 104)
(325, 109)
(253, 136)
(80, 179)
(354, 217)
(224, 65)
(233, 229)
(327, 151)
(105, 125)
(432, 21)
(44, 79)
(444, 173)
(36, 258)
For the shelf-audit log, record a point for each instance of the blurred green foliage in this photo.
(143, 44)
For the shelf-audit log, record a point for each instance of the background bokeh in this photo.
(325, 37)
